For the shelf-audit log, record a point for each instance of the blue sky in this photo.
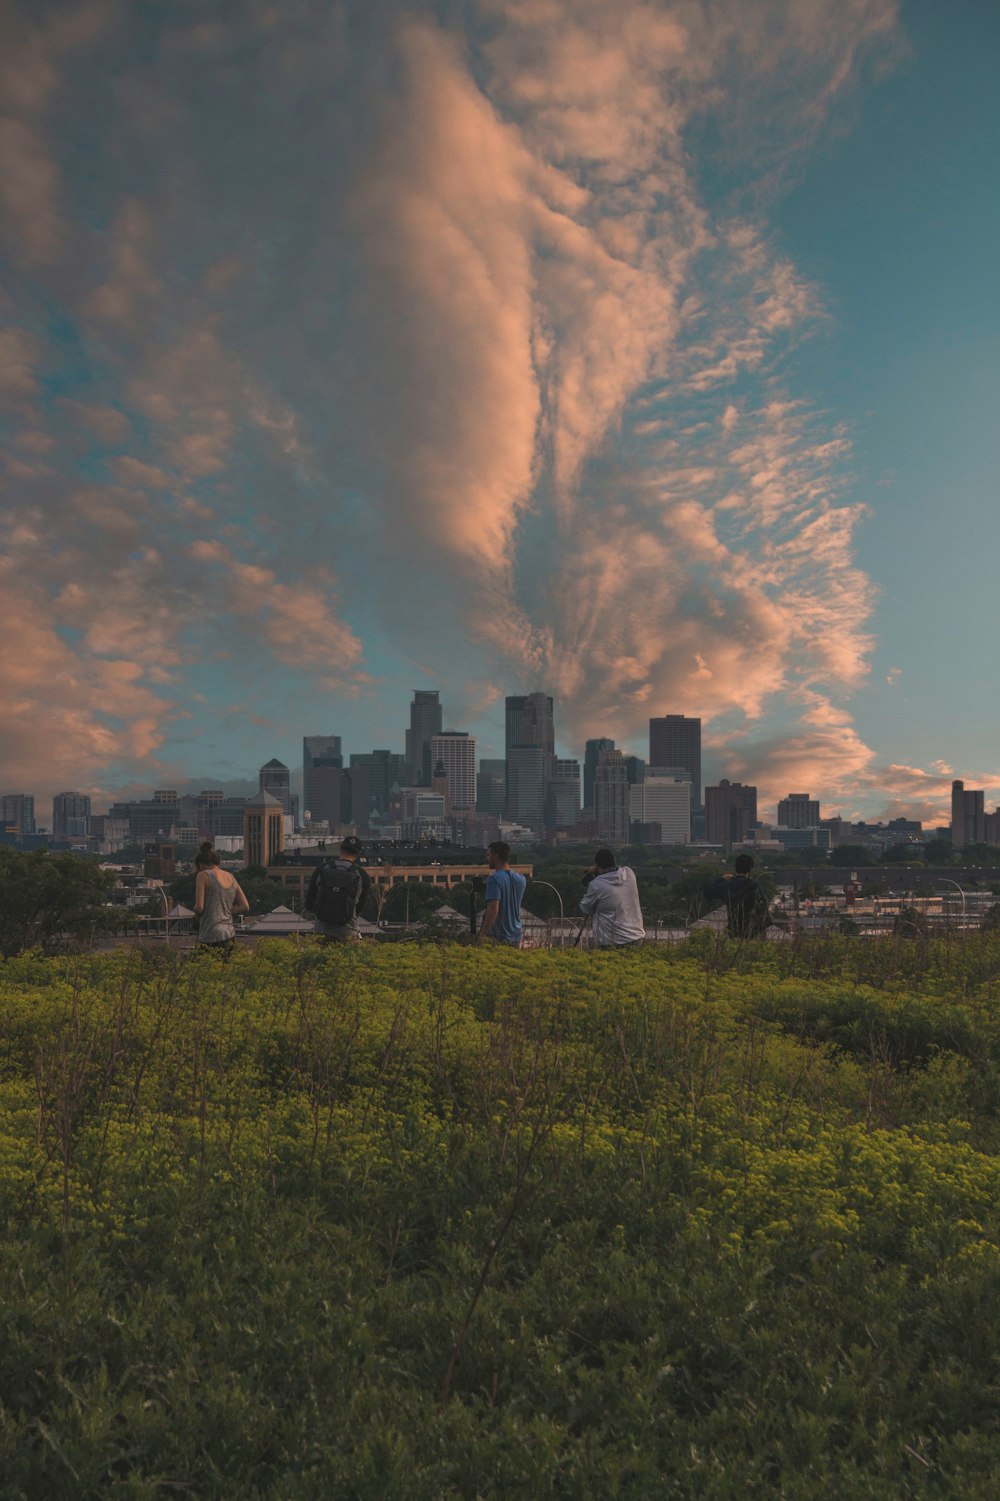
(645, 353)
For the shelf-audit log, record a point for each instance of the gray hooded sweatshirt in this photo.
(612, 897)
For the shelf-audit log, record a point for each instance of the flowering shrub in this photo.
(437, 1221)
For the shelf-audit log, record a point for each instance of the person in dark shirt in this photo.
(746, 905)
(347, 860)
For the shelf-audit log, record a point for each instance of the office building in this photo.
(455, 752)
(263, 829)
(17, 813)
(530, 720)
(730, 813)
(425, 723)
(491, 787)
(323, 795)
(529, 742)
(675, 740)
(562, 795)
(635, 769)
(149, 819)
(275, 778)
(527, 766)
(611, 799)
(663, 799)
(374, 775)
(968, 814)
(798, 811)
(591, 756)
(70, 815)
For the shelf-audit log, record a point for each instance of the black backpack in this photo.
(337, 893)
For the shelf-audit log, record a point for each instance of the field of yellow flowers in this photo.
(712, 1221)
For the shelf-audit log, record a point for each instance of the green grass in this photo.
(711, 1222)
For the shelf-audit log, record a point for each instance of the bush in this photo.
(437, 1222)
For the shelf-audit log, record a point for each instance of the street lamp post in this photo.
(562, 914)
(166, 914)
(947, 881)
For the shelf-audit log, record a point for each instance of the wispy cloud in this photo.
(408, 332)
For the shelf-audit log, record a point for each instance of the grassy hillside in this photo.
(709, 1222)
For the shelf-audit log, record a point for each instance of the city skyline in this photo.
(316, 779)
(639, 354)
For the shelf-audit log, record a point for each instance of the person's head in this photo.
(743, 864)
(498, 853)
(206, 856)
(350, 847)
(605, 860)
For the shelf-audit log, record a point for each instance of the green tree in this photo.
(46, 899)
(850, 855)
(939, 852)
(261, 892)
(980, 854)
(687, 899)
(413, 899)
(902, 854)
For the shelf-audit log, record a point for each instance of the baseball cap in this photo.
(351, 845)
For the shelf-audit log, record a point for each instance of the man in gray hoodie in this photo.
(612, 900)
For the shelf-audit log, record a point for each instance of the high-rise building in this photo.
(263, 829)
(591, 756)
(530, 720)
(665, 799)
(611, 798)
(149, 818)
(530, 746)
(275, 778)
(675, 740)
(562, 795)
(968, 812)
(491, 787)
(527, 766)
(323, 795)
(798, 811)
(374, 774)
(17, 813)
(425, 723)
(70, 814)
(455, 751)
(731, 811)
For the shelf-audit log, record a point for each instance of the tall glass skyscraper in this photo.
(530, 746)
(675, 740)
(425, 723)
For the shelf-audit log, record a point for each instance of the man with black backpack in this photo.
(747, 911)
(337, 890)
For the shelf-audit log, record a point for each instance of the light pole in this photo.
(166, 914)
(947, 881)
(562, 915)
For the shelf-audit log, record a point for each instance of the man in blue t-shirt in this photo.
(504, 890)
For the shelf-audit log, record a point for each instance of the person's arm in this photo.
(200, 882)
(240, 903)
(489, 918)
(590, 898)
(310, 902)
(720, 888)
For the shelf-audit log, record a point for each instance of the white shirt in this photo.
(613, 899)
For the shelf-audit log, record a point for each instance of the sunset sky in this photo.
(643, 353)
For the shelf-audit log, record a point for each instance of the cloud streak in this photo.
(391, 338)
